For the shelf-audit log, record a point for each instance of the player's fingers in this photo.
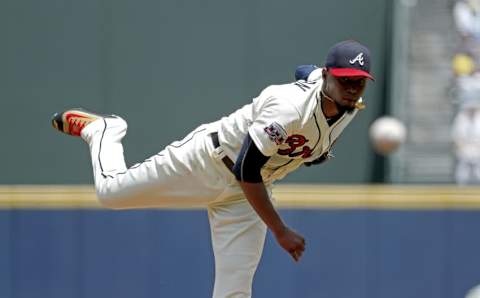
(297, 254)
(294, 255)
(301, 246)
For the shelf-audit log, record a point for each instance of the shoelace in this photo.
(76, 125)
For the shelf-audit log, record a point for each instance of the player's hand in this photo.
(292, 242)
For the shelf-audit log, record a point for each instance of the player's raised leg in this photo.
(159, 180)
(238, 236)
(103, 133)
(104, 139)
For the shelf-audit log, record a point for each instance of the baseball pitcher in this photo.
(230, 165)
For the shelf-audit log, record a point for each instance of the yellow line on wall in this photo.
(47, 197)
(287, 196)
(379, 196)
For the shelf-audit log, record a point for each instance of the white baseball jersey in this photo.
(286, 122)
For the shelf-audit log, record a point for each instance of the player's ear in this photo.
(324, 73)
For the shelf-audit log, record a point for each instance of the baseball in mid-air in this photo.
(387, 134)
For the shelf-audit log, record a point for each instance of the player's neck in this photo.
(329, 107)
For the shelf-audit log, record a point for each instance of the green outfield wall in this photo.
(166, 67)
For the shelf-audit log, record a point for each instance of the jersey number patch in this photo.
(296, 141)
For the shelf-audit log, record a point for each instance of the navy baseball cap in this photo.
(349, 59)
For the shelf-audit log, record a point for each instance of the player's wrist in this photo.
(279, 230)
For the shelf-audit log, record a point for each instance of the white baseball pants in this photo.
(184, 172)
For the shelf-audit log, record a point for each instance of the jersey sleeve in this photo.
(315, 75)
(249, 162)
(273, 121)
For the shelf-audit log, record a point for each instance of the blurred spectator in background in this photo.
(466, 77)
(465, 67)
(466, 14)
(466, 139)
(463, 63)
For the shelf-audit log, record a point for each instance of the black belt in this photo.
(216, 143)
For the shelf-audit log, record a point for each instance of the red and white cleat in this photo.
(73, 121)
